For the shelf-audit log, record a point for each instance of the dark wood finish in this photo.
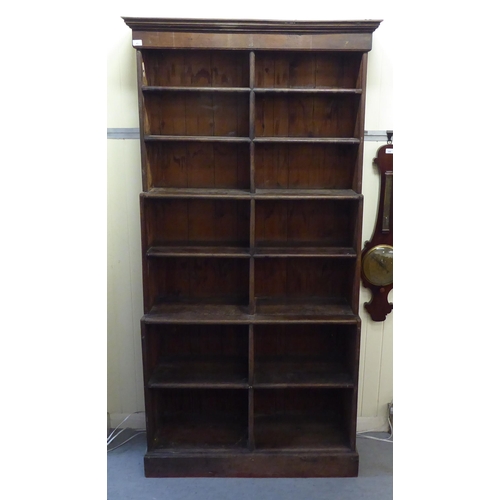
(267, 311)
(192, 69)
(184, 114)
(194, 193)
(260, 464)
(240, 41)
(304, 280)
(295, 115)
(304, 356)
(181, 222)
(196, 356)
(304, 166)
(198, 164)
(194, 26)
(186, 280)
(201, 419)
(301, 419)
(313, 223)
(146, 172)
(251, 148)
(310, 72)
(359, 127)
(193, 138)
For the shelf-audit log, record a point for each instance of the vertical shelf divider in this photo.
(251, 436)
(252, 181)
(251, 292)
(251, 365)
(252, 122)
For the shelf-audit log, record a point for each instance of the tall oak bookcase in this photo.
(251, 138)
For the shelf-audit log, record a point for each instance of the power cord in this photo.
(114, 434)
(127, 440)
(385, 440)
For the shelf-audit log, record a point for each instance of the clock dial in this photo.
(377, 265)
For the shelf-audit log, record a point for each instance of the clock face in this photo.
(377, 265)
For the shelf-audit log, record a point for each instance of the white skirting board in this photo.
(379, 424)
(138, 421)
(134, 420)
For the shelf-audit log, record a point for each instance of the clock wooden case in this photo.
(251, 138)
(377, 255)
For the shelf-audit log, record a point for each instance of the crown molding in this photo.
(249, 26)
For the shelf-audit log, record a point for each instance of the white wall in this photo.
(124, 184)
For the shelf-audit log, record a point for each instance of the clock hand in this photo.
(380, 261)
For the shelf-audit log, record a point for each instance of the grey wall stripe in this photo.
(123, 133)
(133, 133)
(376, 135)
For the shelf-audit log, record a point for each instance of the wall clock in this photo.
(377, 255)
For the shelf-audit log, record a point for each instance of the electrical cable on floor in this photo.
(385, 440)
(126, 441)
(112, 435)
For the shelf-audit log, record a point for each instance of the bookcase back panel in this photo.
(198, 280)
(304, 354)
(307, 166)
(198, 165)
(298, 401)
(301, 418)
(304, 278)
(198, 355)
(305, 222)
(307, 70)
(201, 418)
(298, 340)
(195, 221)
(196, 113)
(196, 343)
(200, 341)
(195, 68)
(306, 115)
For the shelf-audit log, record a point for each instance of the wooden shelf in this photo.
(314, 194)
(237, 252)
(200, 372)
(288, 372)
(201, 433)
(301, 433)
(194, 138)
(197, 251)
(260, 194)
(236, 194)
(305, 310)
(222, 138)
(308, 140)
(303, 251)
(268, 311)
(158, 88)
(197, 314)
(306, 90)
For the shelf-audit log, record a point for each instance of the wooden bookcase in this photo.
(251, 212)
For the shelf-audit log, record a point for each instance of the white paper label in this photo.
(136, 43)
(389, 151)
